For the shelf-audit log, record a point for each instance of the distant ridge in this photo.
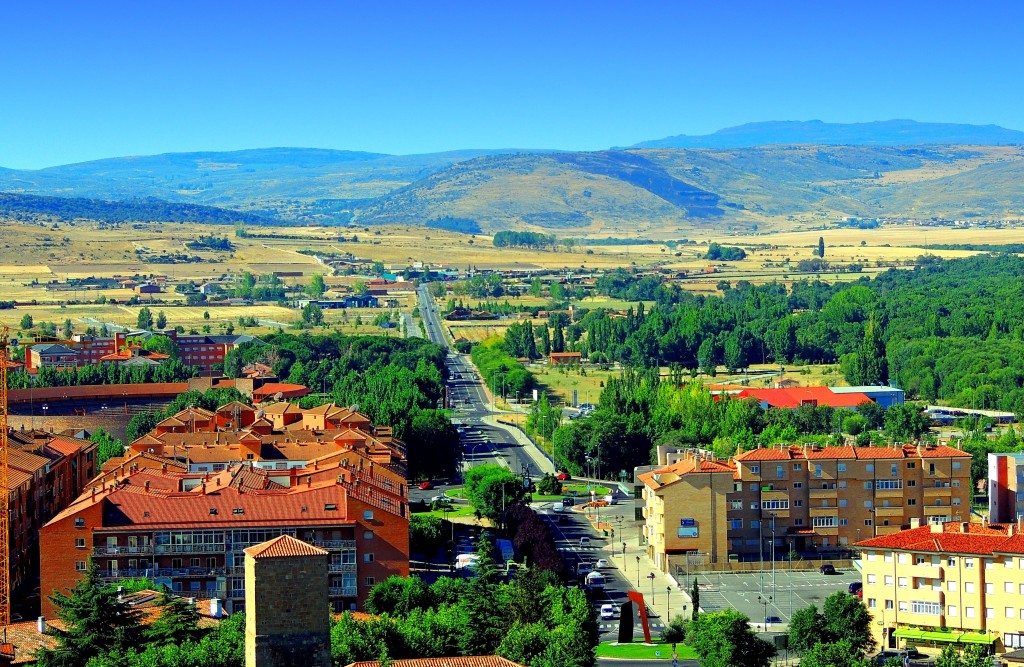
(876, 133)
(138, 210)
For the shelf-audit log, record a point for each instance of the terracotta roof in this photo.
(25, 461)
(460, 661)
(26, 640)
(281, 408)
(860, 453)
(688, 466)
(67, 446)
(979, 539)
(287, 390)
(284, 546)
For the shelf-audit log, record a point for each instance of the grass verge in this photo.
(637, 651)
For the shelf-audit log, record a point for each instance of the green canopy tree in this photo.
(177, 622)
(963, 655)
(838, 654)
(846, 618)
(725, 639)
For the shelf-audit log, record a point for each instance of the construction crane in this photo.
(6, 342)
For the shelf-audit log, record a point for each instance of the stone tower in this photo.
(287, 616)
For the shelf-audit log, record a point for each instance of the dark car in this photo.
(856, 588)
(827, 568)
(773, 619)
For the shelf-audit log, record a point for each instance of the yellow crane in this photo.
(5, 487)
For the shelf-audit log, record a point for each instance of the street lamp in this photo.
(651, 577)
(765, 601)
(668, 604)
(638, 572)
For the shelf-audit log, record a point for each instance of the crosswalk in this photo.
(569, 550)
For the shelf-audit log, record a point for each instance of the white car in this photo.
(607, 612)
(601, 564)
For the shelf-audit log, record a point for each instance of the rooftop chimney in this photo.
(41, 624)
(147, 485)
(215, 609)
(935, 527)
(915, 522)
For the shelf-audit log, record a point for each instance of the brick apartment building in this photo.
(1005, 487)
(817, 499)
(942, 583)
(204, 351)
(46, 473)
(189, 530)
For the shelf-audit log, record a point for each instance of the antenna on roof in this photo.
(260, 414)
(354, 407)
(278, 396)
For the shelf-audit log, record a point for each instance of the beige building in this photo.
(955, 582)
(808, 499)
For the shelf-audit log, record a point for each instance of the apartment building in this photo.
(1005, 487)
(940, 583)
(204, 351)
(189, 531)
(804, 499)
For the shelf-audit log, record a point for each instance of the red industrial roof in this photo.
(284, 546)
(794, 397)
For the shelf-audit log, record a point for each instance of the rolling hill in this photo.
(826, 172)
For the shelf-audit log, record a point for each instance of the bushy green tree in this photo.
(725, 639)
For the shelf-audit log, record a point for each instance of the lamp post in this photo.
(638, 572)
(651, 577)
(773, 553)
(668, 604)
(765, 601)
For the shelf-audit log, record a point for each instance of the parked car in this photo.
(564, 476)
(607, 612)
(426, 486)
(856, 588)
(584, 541)
(440, 499)
(827, 568)
(773, 619)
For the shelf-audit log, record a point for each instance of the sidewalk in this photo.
(665, 597)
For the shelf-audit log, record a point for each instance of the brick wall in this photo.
(58, 553)
(389, 545)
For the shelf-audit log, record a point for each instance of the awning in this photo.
(942, 636)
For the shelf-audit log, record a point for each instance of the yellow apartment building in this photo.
(812, 500)
(940, 583)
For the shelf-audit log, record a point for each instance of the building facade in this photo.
(940, 583)
(811, 500)
(1005, 487)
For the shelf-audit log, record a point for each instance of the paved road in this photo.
(482, 442)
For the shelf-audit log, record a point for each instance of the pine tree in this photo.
(96, 622)
(821, 246)
(558, 340)
(545, 341)
(178, 621)
(695, 599)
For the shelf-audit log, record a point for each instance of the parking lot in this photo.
(789, 592)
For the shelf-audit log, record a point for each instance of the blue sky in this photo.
(89, 80)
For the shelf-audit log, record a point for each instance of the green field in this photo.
(644, 651)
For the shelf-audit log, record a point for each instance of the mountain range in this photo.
(765, 174)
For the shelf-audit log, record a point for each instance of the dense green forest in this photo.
(67, 209)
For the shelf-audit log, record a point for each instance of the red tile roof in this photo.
(284, 546)
(979, 539)
(796, 452)
(687, 466)
(459, 661)
(794, 397)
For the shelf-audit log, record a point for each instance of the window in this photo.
(817, 470)
(889, 484)
(911, 482)
(797, 467)
(211, 563)
(79, 523)
(737, 487)
(754, 486)
(888, 604)
(753, 506)
(872, 578)
(176, 563)
(911, 465)
(825, 521)
(755, 524)
(903, 605)
(918, 560)
(735, 524)
(951, 562)
(968, 587)
(780, 472)
(367, 534)
(798, 485)
(956, 483)
(956, 465)
(842, 484)
(929, 608)
(902, 582)
(367, 558)
(79, 542)
(841, 467)
(869, 522)
(1008, 612)
(968, 563)
(798, 503)
(969, 612)
(990, 612)
(956, 501)
(931, 468)
(951, 610)
(911, 501)
(844, 522)
(369, 581)
(951, 585)
(798, 522)
(755, 470)
(781, 504)
(888, 580)
(870, 468)
(872, 603)
(368, 515)
(194, 563)
(735, 504)
(903, 559)
(872, 556)
(868, 485)
(843, 502)
(1008, 587)
(80, 566)
(867, 503)
(989, 564)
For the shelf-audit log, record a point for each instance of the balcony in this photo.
(889, 511)
(334, 544)
(824, 511)
(341, 567)
(823, 493)
(938, 491)
(153, 572)
(889, 493)
(122, 551)
(190, 548)
(343, 591)
(939, 510)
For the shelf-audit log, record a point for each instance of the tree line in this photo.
(533, 240)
